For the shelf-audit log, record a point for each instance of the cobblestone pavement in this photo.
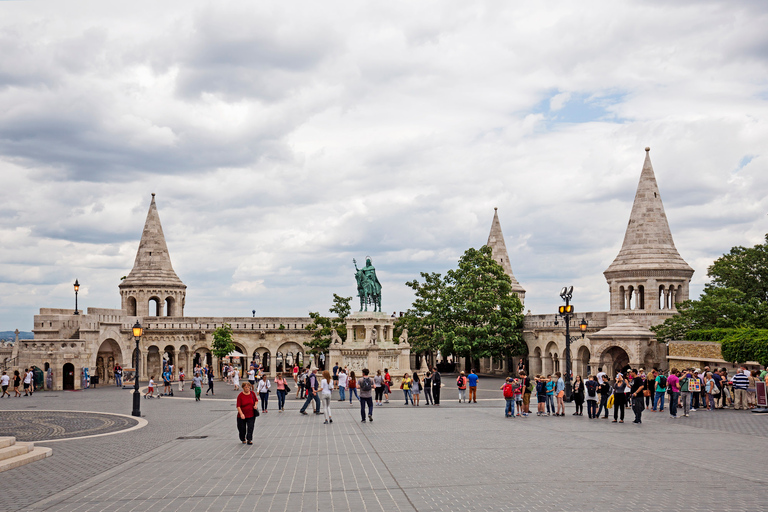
(455, 457)
(47, 425)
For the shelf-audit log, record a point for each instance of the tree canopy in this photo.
(736, 296)
(322, 327)
(469, 312)
(222, 344)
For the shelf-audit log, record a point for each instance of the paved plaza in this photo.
(455, 457)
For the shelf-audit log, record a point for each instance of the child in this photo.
(509, 397)
(541, 394)
(181, 379)
(151, 388)
(519, 397)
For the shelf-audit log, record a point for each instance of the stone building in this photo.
(646, 281)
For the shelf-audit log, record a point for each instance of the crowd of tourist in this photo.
(28, 379)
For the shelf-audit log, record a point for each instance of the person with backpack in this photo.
(437, 383)
(508, 390)
(366, 391)
(541, 394)
(590, 392)
(461, 382)
(661, 390)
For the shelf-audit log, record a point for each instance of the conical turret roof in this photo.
(153, 262)
(648, 243)
(499, 252)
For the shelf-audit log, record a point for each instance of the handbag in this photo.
(287, 389)
(609, 405)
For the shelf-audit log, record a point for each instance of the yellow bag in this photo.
(610, 402)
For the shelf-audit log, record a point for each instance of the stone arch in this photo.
(264, 357)
(640, 301)
(154, 305)
(107, 355)
(130, 306)
(295, 351)
(154, 363)
(614, 359)
(169, 357)
(534, 361)
(279, 362)
(68, 377)
(581, 366)
(170, 306)
(550, 359)
(622, 298)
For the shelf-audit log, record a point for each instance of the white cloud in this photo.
(283, 140)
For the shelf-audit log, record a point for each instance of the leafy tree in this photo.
(322, 326)
(222, 341)
(736, 297)
(483, 318)
(427, 314)
(737, 345)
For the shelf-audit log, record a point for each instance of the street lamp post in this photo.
(77, 289)
(567, 312)
(137, 332)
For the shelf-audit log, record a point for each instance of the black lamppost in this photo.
(567, 312)
(77, 289)
(137, 332)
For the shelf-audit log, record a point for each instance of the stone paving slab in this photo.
(455, 457)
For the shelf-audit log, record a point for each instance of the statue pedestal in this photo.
(371, 344)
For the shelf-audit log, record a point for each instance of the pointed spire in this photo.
(499, 252)
(153, 262)
(648, 243)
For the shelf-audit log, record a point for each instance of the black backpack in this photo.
(662, 382)
(365, 384)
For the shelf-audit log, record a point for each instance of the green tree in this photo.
(426, 316)
(322, 326)
(483, 317)
(222, 341)
(736, 296)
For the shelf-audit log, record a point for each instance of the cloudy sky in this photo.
(284, 139)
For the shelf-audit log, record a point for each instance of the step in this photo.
(14, 450)
(7, 441)
(37, 453)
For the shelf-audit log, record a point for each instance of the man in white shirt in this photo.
(342, 385)
(600, 375)
(5, 380)
(28, 387)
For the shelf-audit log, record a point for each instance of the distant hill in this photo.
(10, 336)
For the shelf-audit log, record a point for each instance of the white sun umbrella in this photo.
(235, 353)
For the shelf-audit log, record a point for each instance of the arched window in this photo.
(154, 306)
(131, 303)
(640, 301)
(622, 299)
(662, 297)
(169, 307)
(630, 297)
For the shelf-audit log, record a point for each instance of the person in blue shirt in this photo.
(167, 382)
(472, 378)
(550, 395)
(560, 394)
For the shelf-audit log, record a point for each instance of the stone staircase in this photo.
(13, 454)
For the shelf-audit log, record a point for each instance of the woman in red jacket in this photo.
(246, 413)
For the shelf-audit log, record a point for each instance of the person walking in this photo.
(578, 396)
(246, 413)
(252, 376)
(16, 383)
(28, 382)
(235, 378)
(326, 389)
(636, 391)
(415, 388)
(620, 398)
(352, 387)
(182, 376)
(472, 380)
(437, 383)
(405, 385)
(209, 374)
(311, 384)
(300, 384)
(280, 384)
(461, 382)
(387, 385)
(5, 380)
(428, 388)
(378, 385)
(150, 387)
(342, 384)
(263, 390)
(366, 386)
(560, 394)
(197, 383)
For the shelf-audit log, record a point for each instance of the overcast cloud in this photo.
(285, 138)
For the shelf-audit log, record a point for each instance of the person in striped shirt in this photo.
(740, 385)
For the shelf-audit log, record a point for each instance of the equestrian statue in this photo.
(368, 286)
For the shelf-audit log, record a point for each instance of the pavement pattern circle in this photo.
(49, 425)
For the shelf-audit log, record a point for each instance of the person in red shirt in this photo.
(246, 405)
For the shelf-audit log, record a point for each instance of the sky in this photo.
(284, 139)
